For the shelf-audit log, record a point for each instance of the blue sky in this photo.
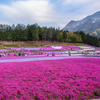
(55, 13)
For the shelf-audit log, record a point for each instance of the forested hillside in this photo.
(34, 32)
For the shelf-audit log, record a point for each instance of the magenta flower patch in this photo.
(66, 79)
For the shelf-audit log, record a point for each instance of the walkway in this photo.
(39, 58)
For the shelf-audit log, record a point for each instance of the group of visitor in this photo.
(47, 54)
(69, 53)
(13, 54)
(24, 54)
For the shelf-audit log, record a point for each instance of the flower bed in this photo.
(66, 79)
(74, 47)
(49, 48)
(4, 50)
(54, 48)
(32, 49)
(17, 49)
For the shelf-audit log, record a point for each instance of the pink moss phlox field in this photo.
(55, 48)
(18, 49)
(66, 79)
(49, 48)
(74, 47)
(4, 50)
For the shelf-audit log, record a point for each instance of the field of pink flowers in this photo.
(66, 79)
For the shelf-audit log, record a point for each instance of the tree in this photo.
(83, 36)
(69, 35)
(61, 37)
(57, 35)
(49, 34)
(64, 36)
(74, 38)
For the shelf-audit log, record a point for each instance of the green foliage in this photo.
(88, 39)
(10, 45)
(34, 32)
(61, 37)
(69, 36)
(97, 93)
(74, 38)
(65, 36)
(96, 32)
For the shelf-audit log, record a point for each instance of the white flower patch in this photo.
(56, 47)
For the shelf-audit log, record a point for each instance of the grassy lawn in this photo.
(10, 45)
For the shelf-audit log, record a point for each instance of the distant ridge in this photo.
(90, 25)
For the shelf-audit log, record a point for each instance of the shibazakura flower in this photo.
(65, 79)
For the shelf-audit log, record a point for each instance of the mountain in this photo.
(90, 25)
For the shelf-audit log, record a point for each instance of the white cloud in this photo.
(7, 23)
(77, 2)
(82, 6)
(29, 11)
(47, 12)
(61, 25)
(78, 9)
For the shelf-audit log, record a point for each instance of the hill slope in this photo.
(90, 24)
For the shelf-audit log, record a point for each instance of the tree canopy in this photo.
(34, 32)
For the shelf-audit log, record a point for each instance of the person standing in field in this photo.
(69, 53)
